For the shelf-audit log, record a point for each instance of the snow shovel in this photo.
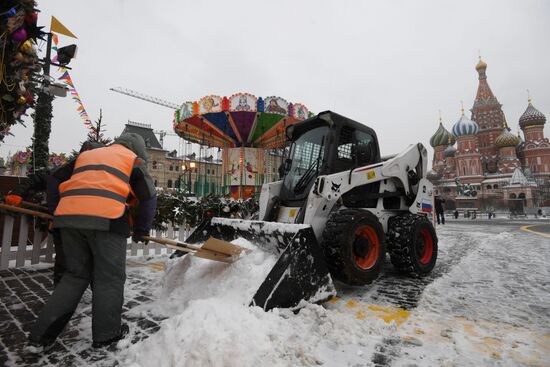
(300, 272)
(213, 249)
(34, 213)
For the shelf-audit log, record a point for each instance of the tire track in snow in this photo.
(405, 291)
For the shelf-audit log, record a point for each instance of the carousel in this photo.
(249, 132)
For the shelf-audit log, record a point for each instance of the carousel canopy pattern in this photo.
(240, 120)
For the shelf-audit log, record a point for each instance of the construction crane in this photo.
(155, 100)
(146, 97)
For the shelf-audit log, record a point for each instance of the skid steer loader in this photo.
(336, 212)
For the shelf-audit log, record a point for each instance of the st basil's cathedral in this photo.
(500, 170)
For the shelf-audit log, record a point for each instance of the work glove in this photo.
(14, 200)
(138, 237)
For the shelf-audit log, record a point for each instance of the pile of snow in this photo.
(485, 304)
(211, 324)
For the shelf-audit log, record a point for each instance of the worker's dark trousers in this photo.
(59, 266)
(91, 255)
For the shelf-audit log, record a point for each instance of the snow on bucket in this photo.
(300, 273)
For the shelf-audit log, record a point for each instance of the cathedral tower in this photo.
(468, 157)
(487, 113)
(439, 142)
(506, 143)
(535, 151)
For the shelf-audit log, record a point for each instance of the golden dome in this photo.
(507, 139)
(481, 64)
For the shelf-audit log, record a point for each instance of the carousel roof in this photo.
(240, 120)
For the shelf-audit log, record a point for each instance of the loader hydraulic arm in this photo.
(407, 167)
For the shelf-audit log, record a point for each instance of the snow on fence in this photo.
(21, 250)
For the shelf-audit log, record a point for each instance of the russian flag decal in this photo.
(426, 206)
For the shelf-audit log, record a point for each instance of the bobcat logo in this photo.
(335, 187)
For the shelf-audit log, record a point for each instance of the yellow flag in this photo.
(57, 27)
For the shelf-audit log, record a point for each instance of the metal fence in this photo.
(32, 246)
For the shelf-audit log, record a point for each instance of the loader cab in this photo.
(324, 144)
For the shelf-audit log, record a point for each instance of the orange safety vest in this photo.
(99, 186)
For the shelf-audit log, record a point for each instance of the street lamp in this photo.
(192, 166)
(180, 184)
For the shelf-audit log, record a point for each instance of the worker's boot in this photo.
(124, 329)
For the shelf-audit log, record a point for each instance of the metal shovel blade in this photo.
(300, 273)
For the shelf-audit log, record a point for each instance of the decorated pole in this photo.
(43, 112)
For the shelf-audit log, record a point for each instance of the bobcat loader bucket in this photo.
(300, 272)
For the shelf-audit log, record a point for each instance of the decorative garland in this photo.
(19, 67)
(174, 207)
(42, 117)
(24, 158)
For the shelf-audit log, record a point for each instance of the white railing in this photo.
(14, 255)
(23, 250)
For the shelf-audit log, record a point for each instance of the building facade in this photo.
(197, 175)
(501, 170)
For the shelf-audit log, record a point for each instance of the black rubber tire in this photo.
(343, 247)
(412, 243)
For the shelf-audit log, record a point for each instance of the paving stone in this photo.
(23, 293)
(146, 324)
(16, 336)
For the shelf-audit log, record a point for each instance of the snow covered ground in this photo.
(487, 303)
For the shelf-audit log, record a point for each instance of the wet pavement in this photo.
(23, 292)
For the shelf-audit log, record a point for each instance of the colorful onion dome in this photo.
(532, 117)
(481, 65)
(432, 175)
(465, 126)
(506, 139)
(442, 137)
(449, 152)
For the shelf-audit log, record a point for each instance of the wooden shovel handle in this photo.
(34, 213)
(166, 241)
(195, 250)
(34, 205)
(31, 205)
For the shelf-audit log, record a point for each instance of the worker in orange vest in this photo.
(93, 216)
(49, 181)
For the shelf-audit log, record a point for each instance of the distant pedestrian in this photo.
(456, 214)
(93, 216)
(439, 212)
(489, 215)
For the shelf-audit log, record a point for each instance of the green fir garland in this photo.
(42, 128)
(176, 208)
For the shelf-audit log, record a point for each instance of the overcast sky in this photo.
(389, 64)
